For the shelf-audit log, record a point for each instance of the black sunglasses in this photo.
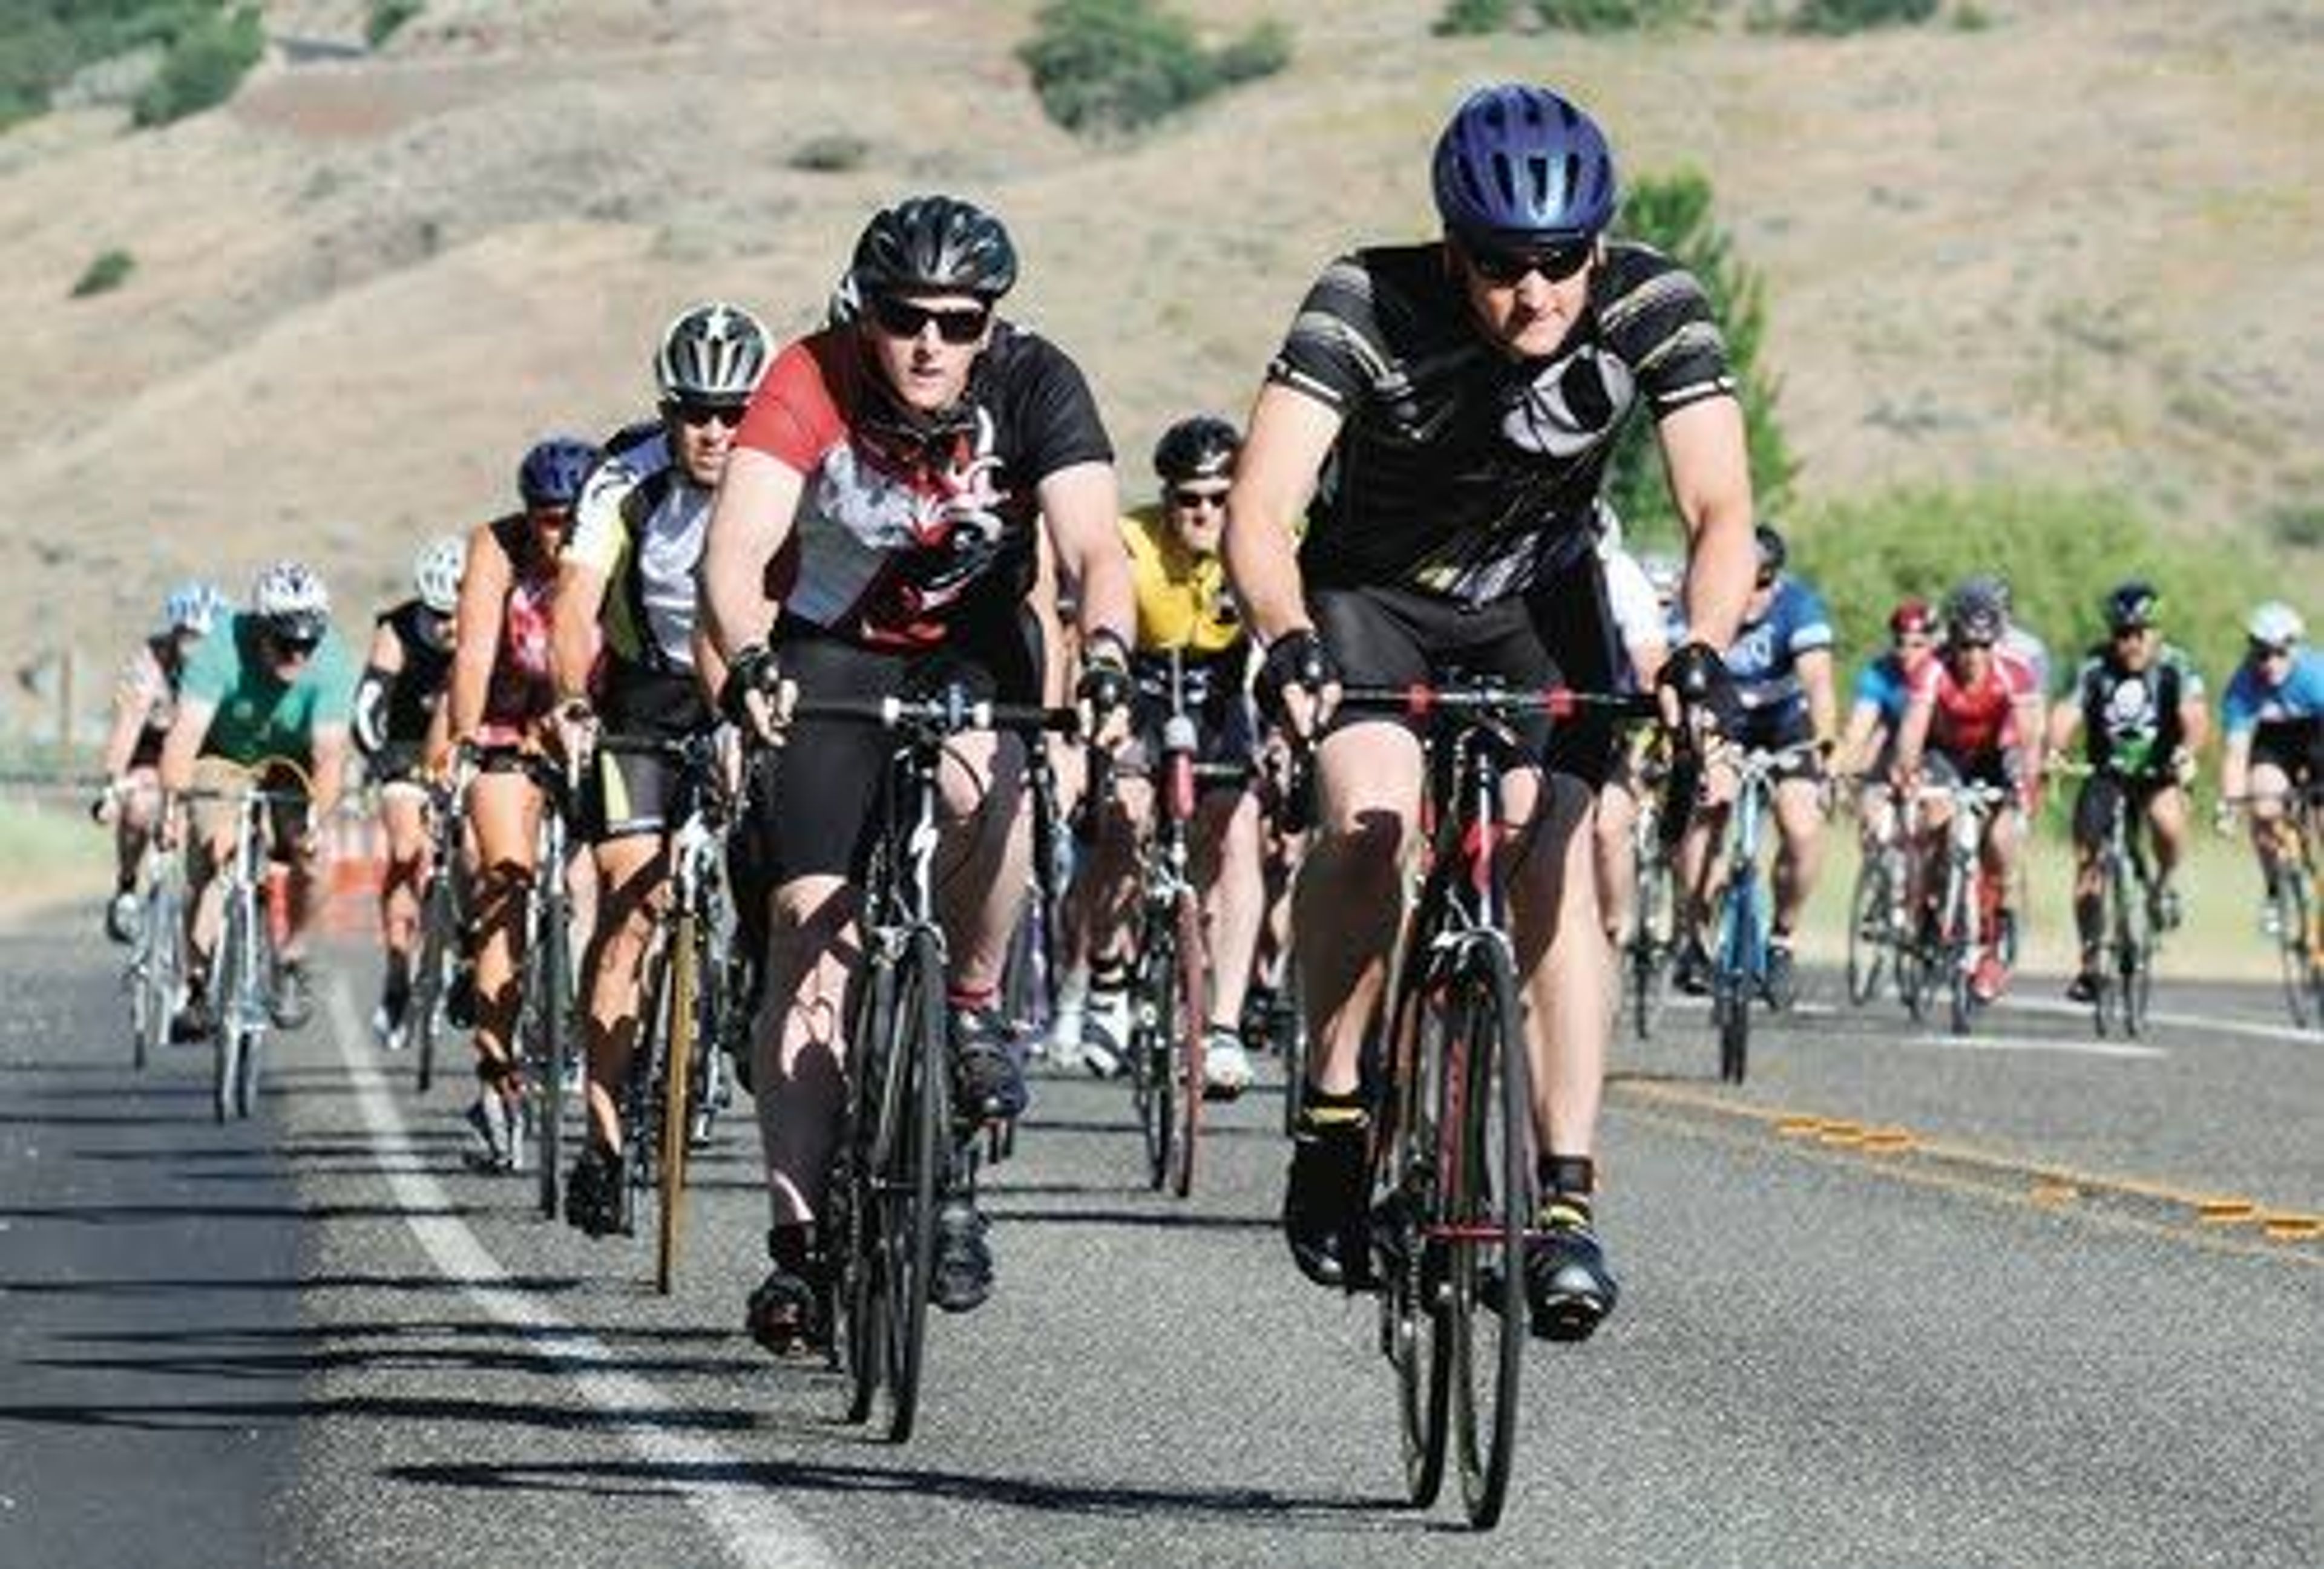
(1191, 499)
(296, 648)
(689, 413)
(1505, 266)
(901, 319)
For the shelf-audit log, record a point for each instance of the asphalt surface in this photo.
(1899, 1300)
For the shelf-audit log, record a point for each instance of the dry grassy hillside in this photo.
(2076, 246)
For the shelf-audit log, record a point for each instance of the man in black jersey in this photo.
(1442, 413)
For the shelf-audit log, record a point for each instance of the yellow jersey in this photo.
(1183, 598)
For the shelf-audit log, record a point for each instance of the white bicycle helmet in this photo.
(436, 572)
(292, 600)
(713, 352)
(194, 606)
(2276, 624)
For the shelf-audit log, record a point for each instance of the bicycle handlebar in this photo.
(1419, 700)
(950, 714)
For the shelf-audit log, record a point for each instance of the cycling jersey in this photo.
(2131, 718)
(2029, 651)
(1637, 613)
(1973, 724)
(2250, 701)
(1182, 601)
(257, 717)
(411, 696)
(148, 685)
(639, 525)
(906, 524)
(1883, 684)
(522, 690)
(1765, 656)
(1459, 472)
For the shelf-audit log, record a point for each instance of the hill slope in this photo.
(2076, 247)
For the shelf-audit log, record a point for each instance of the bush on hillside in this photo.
(2061, 551)
(1833, 17)
(44, 42)
(1468, 18)
(1673, 213)
(203, 68)
(1104, 66)
(387, 17)
(1461, 17)
(108, 270)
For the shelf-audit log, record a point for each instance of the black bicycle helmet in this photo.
(2133, 605)
(1517, 163)
(934, 245)
(1201, 448)
(1773, 552)
(1972, 616)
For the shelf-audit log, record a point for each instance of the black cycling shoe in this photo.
(597, 1193)
(192, 1022)
(1323, 1209)
(1691, 968)
(988, 1085)
(2084, 987)
(961, 1278)
(1568, 1286)
(790, 1312)
(1780, 985)
(460, 996)
(293, 1003)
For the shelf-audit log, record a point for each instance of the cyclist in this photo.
(2140, 702)
(890, 471)
(1968, 720)
(1443, 413)
(1781, 661)
(630, 569)
(274, 684)
(502, 695)
(144, 701)
(2272, 717)
(1883, 691)
(1183, 605)
(399, 700)
(1641, 629)
(2018, 640)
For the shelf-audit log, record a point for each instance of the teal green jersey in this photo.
(259, 716)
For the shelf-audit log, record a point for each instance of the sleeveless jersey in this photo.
(417, 690)
(522, 687)
(2130, 718)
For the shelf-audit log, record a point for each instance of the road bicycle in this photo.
(1650, 940)
(245, 966)
(1738, 959)
(2293, 915)
(443, 924)
(1036, 967)
(2128, 932)
(1951, 930)
(901, 1152)
(1879, 925)
(155, 976)
(1452, 1160)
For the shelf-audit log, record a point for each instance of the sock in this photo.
(1567, 1179)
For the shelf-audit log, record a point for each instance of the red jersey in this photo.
(906, 523)
(1970, 724)
(524, 687)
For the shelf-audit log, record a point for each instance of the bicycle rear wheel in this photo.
(1488, 1209)
(1415, 1332)
(1190, 1015)
(912, 1160)
(677, 1083)
(555, 1047)
(233, 985)
(1868, 931)
(2303, 985)
(1647, 955)
(430, 977)
(160, 961)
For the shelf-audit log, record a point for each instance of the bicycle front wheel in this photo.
(555, 1047)
(1153, 1026)
(1488, 1208)
(1867, 932)
(1416, 1330)
(911, 1162)
(1189, 1013)
(233, 985)
(2303, 982)
(1737, 978)
(1647, 956)
(677, 1083)
(431, 976)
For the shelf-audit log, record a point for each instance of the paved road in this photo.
(1998, 1333)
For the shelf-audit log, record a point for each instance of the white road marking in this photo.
(2035, 1043)
(2210, 1024)
(755, 1530)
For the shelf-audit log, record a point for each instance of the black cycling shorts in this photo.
(812, 803)
(2294, 745)
(1559, 634)
(2093, 802)
(1774, 732)
(638, 787)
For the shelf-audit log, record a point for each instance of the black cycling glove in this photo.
(751, 670)
(1704, 686)
(1296, 658)
(1105, 687)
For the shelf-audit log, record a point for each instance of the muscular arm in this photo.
(130, 706)
(579, 600)
(2235, 765)
(2194, 723)
(1823, 704)
(1291, 435)
(2065, 719)
(476, 633)
(184, 742)
(749, 524)
(1081, 504)
(382, 665)
(1913, 735)
(1856, 744)
(327, 751)
(1708, 465)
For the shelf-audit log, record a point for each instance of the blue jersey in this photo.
(2251, 702)
(1765, 656)
(1882, 684)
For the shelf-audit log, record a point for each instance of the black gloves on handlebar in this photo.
(751, 670)
(1705, 686)
(1296, 658)
(1105, 684)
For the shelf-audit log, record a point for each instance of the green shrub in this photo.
(1615, 16)
(1465, 18)
(204, 66)
(1834, 17)
(835, 152)
(1103, 66)
(1673, 213)
(387, 17)
(2299, 524)
(43, 42)
(2061, 551)
(108, 270)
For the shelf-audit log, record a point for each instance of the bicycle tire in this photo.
(1959, 951)
(1736, 978)
(861, 1332)
(1867, 935)
(1188, 1041)
(1287, 1029)
(1646, 969)
(1489, 1207)
(228, 1004)
(157, 963)
(2303, 985)
(1152, 1026)
(1414, 1330)
(556, 1025)
(677, 1051)
(429, 978)
(909, 1176)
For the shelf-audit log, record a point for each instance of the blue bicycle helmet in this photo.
(551, 474)
(1518, 163)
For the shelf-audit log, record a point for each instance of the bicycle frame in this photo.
(1961, 935)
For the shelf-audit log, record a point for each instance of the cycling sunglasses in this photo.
(1505, 265)
(698, 414)
(2261, 650)
(901, 319)
(1192, 499)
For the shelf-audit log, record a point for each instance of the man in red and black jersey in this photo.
(1443, 413)
(875, 533)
